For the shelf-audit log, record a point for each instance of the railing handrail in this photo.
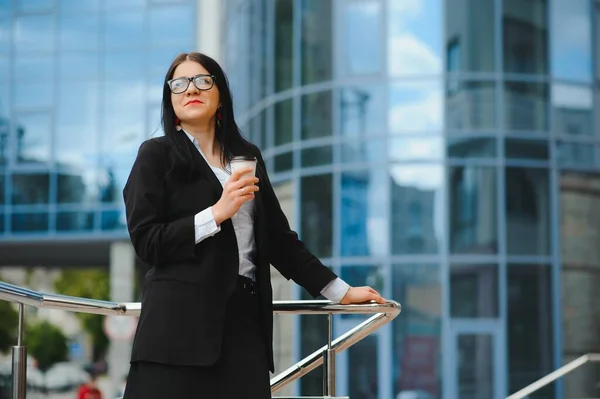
(383, 314)
(16, 294)
(555, 375)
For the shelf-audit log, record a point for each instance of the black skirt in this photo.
(242, 370)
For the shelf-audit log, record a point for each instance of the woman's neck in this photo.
(205, 136)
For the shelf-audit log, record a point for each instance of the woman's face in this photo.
(194, 105)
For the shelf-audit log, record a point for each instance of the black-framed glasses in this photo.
(201, 81)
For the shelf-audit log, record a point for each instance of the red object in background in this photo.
(89, 392)
(419, 364)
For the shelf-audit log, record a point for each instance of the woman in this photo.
(206, 324)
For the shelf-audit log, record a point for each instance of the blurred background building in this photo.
(445, 152)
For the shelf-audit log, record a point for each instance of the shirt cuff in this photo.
(205, 225)
(335, 290)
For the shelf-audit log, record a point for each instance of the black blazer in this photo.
(187, 287)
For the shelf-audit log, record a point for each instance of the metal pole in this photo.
(329, 362)
(19, 363)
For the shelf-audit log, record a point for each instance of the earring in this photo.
(177, 121)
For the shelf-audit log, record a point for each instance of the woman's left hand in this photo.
(361, 295)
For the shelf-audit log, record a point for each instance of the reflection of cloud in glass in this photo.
(415, 39)
(416, 106)
(571, 39)
(415, 148)
(569, 96)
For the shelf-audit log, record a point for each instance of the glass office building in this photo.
(445, 152)
(80, 89)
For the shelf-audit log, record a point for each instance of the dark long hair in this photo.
(227, 134)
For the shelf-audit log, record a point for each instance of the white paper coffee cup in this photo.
(241, 162)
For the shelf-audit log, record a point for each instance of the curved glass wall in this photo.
(80, 89)
(445, 152)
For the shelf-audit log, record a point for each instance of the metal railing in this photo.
(383, 314)
(555, 375)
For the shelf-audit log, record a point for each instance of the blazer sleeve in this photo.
(287, 253)
(155, 239)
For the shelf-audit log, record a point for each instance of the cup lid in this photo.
(243, 158)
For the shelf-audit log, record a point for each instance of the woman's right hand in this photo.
(236, 191)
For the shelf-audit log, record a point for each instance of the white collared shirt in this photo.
(243, 226)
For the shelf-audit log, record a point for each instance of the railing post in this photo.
(19, 362)
(329, 362)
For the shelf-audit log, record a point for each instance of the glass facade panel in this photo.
(33, 68)
(76, 131)
(363, 216)
(571, 39)
(363, 151)
(470, 147)
(471, 105)
(572, 110)
(283, 133)
(76, 186)
(6, 7)
(5, 29)
(33, 138)
(475, 366)
(284, 162)
(2, 190)
(160, 30)
(415, 106)
(415, 37)
(124, 30)
(315, 49)
(362, 110)
(417, 334)
(73, 6)
(474, 291)
(123, 118)
(316, 120)
(412, 149)
(316, 156)
(526, 106)
(529, 327)
(77, 67)
(30, 189)
(578, 155)
(363, 369)
(526, 149)
(75, 221)
(416, 208)
(525, 36)
(316, 214)
(29, 222)
(361, 49)
(35, 5)
(34, 34)
(284, 44)
(527, 211)
(80, 32)
(470, 36)
(473, 207)
(23, 100)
